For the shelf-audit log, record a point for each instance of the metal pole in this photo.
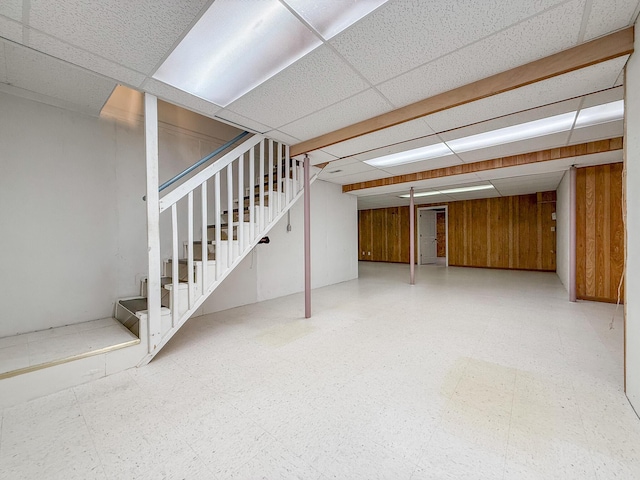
(572, 234)
(412, 220)
(307, 239)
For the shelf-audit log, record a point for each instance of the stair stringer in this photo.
(212, 287)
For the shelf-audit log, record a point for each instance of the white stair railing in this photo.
(243, 212)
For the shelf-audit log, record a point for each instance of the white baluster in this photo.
(261, 188)
(279, 170)
(190, 247)
(175, 313)
(270, 173)
(205, 240)
(218, 211)
(252, 194)
(241, 204)
(289, 174)
(229, 214)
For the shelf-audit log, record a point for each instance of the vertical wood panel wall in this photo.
(599, 232)
(505, 232)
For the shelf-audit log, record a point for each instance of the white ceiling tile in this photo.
(357, 177)
(609, 15)
(135, 34)
(10, 29)
(580, 82)
(242, 121)
(382, 138)
(425, 165)
(597, 132)
(11, 9)
(598, 159)
(407, 33)
(516, 148)
(316, 81)
(344, 170)
(456, 197)
(360, 107)
(36, 72)
(52, 46)
(606, 96)
(318, 156)
(421, 185)
(281, 137)
(517, 45)
(525, 170)
(178, 97)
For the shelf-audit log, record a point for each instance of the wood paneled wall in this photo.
(441, 231)
(505, 232)
(383, 234)
(599, 232)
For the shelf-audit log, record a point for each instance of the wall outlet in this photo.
(553, 216)
(553, 229)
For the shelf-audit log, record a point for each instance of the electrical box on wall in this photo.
(553, 216)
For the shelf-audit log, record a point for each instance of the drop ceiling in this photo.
(73, 53)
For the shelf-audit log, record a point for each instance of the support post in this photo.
(412, 250)
(572, 234)
(153, 220)
(307, 239)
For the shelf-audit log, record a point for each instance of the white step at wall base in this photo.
(38, 383)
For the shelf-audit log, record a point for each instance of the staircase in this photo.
(208, 225)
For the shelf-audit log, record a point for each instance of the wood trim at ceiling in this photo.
(596, 51)
(579, 150)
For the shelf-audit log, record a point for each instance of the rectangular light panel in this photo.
(609, 112)
(473, 188)
(234, 47)
(416, 155)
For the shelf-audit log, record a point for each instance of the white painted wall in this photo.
(73, 223)
(563, 209)
(632, 164)
(277, 269)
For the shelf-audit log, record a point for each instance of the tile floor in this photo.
(469, 374)
(53, 344)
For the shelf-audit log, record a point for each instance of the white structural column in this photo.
(412, 247)
(572, 234)
(307, 238)
(153, 220)
(632, 167)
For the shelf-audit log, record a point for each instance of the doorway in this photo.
(433, 231)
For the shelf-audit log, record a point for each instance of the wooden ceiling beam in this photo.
(596, 51)
(579, 150)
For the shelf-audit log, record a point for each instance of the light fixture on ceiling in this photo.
(609, 112)
(514, 133)
(236, 46)
(448, 191)
(416, 155)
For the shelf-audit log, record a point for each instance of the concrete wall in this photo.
(563, 204)
(632, 165)
(73, 221)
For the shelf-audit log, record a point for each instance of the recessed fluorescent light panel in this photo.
(234, 47)
(238, 45)
(330, 17)
(473, 188)
(416, 155)
(515, 133)
(609, 112)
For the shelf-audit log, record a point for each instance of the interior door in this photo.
(428, 237)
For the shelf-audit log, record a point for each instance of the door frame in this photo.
(446, 230)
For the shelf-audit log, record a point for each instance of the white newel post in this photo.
(153, 220)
